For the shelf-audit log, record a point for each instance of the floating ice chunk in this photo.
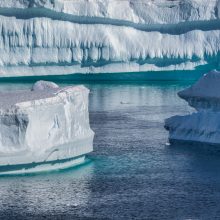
(44, 125)
(44, 85)
(204, 125)
(204, 94)
(201, 127)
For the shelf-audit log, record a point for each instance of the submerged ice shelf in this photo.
(46, 125)
(66, 37)
(204, 125)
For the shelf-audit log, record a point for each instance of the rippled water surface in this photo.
(132, 174)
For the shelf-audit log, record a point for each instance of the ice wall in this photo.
(49, 37)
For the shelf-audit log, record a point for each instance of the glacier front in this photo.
(60, 37)
(202, 126)
(46, 125)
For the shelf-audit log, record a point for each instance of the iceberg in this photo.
(205, 93)
(46, 125)
(202, 126)
(58, 37)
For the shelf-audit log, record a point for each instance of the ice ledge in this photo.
(42, 167)
(129, 67)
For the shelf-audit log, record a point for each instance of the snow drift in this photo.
(57, 37)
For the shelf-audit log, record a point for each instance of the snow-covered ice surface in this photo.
(66, 36)
(202, 126)
(44, 125)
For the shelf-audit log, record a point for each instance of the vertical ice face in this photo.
(46, 124)
(49, 37)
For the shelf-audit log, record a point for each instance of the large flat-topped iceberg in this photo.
(204, 125)
(104, 36)
(47, 124)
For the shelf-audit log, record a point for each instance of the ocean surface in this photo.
(132, 173)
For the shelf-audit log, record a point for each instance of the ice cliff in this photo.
(45, 124)
(204, 125)
(49, 37)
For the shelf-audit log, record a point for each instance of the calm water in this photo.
(132, 174)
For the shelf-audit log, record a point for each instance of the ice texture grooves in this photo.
(65, 37)
(44, 125)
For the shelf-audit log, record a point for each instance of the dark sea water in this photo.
(132, 173)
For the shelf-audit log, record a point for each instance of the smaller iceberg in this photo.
(202, 126)
(44, 128)
(204, 94)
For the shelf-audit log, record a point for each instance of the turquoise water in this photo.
(183, 75)
(132, 173)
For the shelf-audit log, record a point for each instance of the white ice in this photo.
(65, 37)
(204, 94)
(44, 125)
